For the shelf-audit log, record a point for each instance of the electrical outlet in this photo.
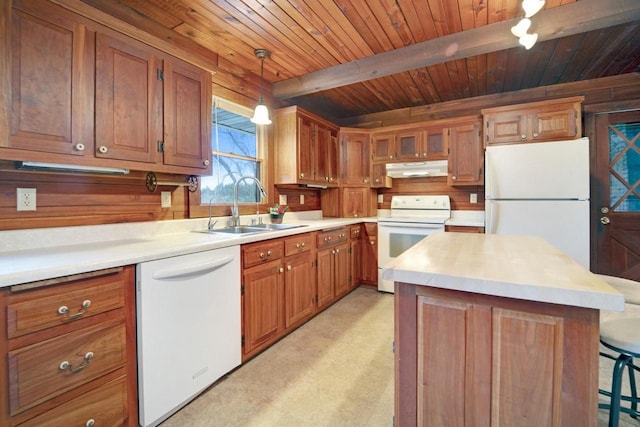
(282, 199)
(473, 198)
(302, 199)
(165, 199)
(26, 199)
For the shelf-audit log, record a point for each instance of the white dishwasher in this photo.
(188, 328)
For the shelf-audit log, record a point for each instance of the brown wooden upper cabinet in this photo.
(383, 147)
(551, 120)
(84, 94)
(466, 154)
(354, 161)
(307, 149)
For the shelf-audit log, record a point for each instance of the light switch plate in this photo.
(282, 199)
(302, 199)
(380, 198)
(473, 198)
(165, 199)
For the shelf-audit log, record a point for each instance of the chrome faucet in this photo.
(235, 213)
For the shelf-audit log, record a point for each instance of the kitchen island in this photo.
(495, 330)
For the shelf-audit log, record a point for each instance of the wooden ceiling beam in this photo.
(574, 18)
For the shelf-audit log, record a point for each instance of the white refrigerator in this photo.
(540, 189)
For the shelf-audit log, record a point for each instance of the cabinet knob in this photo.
(337, 251)
(103, 149)
(206, 162)
(373, 242)
(288, 267)
(453, 177)
(281, 270)
(301, 174)
(535, 134)
(391, 156)
(523, 136)
(365, 180)
(417, 155)
(424, 154)
(265, 256)
(79, 147)
(90, 422)
(377, 179)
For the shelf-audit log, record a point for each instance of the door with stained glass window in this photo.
(616, 194)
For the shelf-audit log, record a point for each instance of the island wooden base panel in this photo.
(464, 359)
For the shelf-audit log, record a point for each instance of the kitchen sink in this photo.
(251, 229)
(277, 226)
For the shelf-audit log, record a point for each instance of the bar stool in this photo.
(623, 337)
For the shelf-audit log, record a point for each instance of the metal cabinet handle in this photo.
(63, 309)
(103, 149)
(66, 366)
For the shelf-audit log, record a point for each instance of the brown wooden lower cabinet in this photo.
(370, 254)
(464, 359)
(70, 355)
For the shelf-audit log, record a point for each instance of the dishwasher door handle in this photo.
(191, 269)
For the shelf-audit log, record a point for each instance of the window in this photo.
(235, 153)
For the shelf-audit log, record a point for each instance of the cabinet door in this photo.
(409, 145)
(262, 305)
(128, 100)
(325, 277)
(355, 201)
(436, 142)
(379, 177)
(355, 261)
(553, 123)
(332, 159)
(187, 115)
(383, 147)
(370, 254)
(466, 160)
(299, 288)
(355, 158)
(52, 67)
(506, 127)
(341, 269)
(306, 150)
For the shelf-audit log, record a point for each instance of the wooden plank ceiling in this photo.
(317, 44)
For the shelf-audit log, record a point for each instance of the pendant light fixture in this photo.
(530, 7)
(261, 114)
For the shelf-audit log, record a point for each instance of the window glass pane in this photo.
(624, 161)
(234, 155)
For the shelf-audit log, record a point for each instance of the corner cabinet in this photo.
(466, 154)
(69, 351)
(551, 120)
(307, 150)
(112, 101)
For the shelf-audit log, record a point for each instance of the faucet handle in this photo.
(212, 224)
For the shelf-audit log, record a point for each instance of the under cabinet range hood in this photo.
(417, 169)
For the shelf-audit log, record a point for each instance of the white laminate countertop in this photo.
(39, 254)
(520, 267)
(466, 218)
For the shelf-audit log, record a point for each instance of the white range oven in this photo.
(412, 218)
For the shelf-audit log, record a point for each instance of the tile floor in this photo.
(336, 370)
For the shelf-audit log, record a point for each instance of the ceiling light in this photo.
(261, 113)
(531, 7)
(521, 28)
(528, 40)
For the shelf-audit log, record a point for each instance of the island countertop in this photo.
(519, 267)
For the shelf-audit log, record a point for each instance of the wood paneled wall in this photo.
(66, 199)
(434, 186)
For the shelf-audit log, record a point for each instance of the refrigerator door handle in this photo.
(492, 217)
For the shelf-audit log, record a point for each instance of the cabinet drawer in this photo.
(261, 252)
(298, 244)
(36, 374)
(106, 405)
(331, 237)
(355, 231)
(37, 309)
